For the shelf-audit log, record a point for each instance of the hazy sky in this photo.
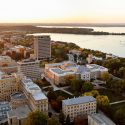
(74, 11)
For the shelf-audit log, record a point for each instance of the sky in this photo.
(62, 11)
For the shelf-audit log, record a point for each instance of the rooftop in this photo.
(79, 100)
(4, 105)
(61, 63)
(95, 67)
(34, 89)
(5, 58)
(28, 61)
(20, 112)
(101, 118)
(60, 72)
(4, 108)
(18, 96)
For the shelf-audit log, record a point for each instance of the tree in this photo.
(102, 100)
(105, 76)
(55, 105)
(76, 85)
(119, 116)
(80, 120)
(37, 118)
(53, 121)
(121, 72)
(51, 95)
(93, 93)
(87, 86)
(59, 101)
(68, 79)
(61, 117)
(67, 120)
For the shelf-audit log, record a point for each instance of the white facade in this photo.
(71, 57)
(85, 76)
(79, 106)
(36, 98)
(96, 71)
(99, 119)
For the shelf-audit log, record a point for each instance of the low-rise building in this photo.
(58, 71)
(92, 58)
(79, 106)
(96, 71)
(74, 55)
(36, 98)
(99, 119)
(19, 115)
(111, 56)
(4, 108)
(18, 99)
(9, 84)
(7, 64)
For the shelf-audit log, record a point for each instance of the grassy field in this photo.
(61, 93)
(118, 106)
(113, 97)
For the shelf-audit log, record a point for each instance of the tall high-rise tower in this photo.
(42, 46)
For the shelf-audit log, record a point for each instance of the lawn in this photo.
(118, 106)
(65, 95)
(113, 97)
(48, 88)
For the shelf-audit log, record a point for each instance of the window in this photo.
(19, 122)
(11, 121)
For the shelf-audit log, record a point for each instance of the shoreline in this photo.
(35, 29)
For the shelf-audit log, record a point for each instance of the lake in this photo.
(114, 44)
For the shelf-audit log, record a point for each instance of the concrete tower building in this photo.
(30, 69)
(42, 47)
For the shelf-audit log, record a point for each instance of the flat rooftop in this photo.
(18, 96)
(61, 63)
(94, 66)
(34, 89)
(5, 58)
(79, 100)
(4, 105)
(60, 72)
(28, 61)
(102, 119)
(20, 112)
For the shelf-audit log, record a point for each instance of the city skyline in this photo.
(66, 11)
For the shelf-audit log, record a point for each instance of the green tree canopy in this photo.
(87, 86)
(37, 118)
(102, 100)
(53, 121)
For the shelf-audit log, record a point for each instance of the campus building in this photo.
(30, 69)
(7, 64)
(4, 108)
(99, 119)
(9, 84)
(79, 106)
(58, 71)
(35, 97)
(96, 71)
(42, 47)
(19, 115)
(18, 99)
